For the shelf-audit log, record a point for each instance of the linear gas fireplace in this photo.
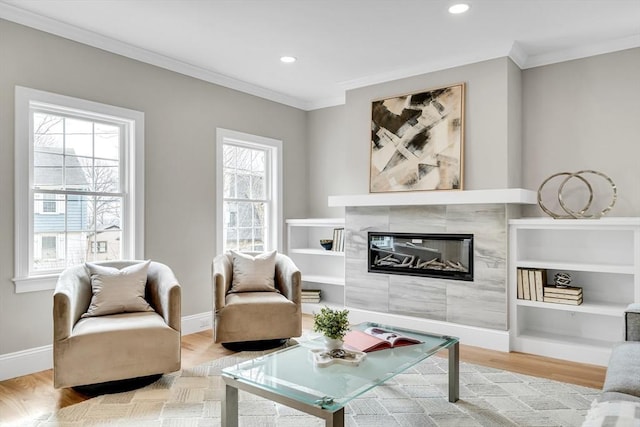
(446, 256)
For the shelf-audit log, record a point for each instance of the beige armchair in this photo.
(93, 350)
(256, 316)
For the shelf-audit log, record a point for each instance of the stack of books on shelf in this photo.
(531, 283)
(310, 295)
(570, 295)
(338, 240)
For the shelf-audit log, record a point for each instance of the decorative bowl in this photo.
(326, 243)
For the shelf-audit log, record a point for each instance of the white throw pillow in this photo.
(117, 291)
(253, 274)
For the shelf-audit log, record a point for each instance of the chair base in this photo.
(254, 345)
(119, 386)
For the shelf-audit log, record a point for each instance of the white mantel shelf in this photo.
(417, 198)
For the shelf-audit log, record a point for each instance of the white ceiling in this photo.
(340, 44)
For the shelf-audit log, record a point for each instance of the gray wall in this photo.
(490, 140)
(181, 115)
(328, 163)
(585, 114)
(514, 125)
(521, 127)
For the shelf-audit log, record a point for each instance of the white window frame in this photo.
(132, 163)
(274, 169)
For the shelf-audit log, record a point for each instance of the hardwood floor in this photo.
(31, 395)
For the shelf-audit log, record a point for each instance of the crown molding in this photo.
(582, 51)
(427, 67)
(61, 29)
(516, 52)
(326, 102)
(518, 55)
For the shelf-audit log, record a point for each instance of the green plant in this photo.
(333, 324)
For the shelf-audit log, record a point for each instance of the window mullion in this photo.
(78, 193)
(229, 199)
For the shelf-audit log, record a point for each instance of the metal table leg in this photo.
(454, 372)
(335, 419)
(230, 407)
(230, 404)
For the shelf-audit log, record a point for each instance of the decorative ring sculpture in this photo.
(582, 213)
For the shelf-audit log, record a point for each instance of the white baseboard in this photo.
(469, 335)
(196, 323)
(38, 359)
(26, 362)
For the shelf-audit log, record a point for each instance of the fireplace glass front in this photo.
(447, 256)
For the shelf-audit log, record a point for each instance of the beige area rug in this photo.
(417, 398)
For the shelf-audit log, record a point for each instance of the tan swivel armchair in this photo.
(114, 347)
(256, 316)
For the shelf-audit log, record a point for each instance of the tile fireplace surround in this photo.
(475, 311)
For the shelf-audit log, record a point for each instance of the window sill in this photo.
(35, 283)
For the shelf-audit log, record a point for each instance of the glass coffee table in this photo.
(290, 376)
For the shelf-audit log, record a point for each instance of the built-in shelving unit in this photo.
(321, 269)
(603, 257)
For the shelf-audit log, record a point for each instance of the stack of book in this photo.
(569, 295)
(338, 240)
(310, 295)
(531, 283)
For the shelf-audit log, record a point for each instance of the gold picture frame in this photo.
(417, 141)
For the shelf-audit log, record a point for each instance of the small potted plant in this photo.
(333, 324)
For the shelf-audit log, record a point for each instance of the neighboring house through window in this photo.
(49, 245)
(49, 206)
(99, 247)
(249, 192)
(79, 173)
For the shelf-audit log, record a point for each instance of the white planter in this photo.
(332, 343)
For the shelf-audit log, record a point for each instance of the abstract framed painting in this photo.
(417, 141)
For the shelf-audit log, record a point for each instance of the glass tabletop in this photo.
(291, 372)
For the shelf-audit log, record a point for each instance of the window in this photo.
(249, 192)
(48, 206)
(49, 247)
(99, 247)
(79, 173)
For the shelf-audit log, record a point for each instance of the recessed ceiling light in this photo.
(288, 59)
(459, 8)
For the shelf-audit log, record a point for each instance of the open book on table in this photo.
(372, 339)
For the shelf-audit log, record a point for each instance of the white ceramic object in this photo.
(332, 343)
(322, 358)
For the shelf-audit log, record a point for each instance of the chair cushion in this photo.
(253, 274)
(121, 323)
(624, 369)
(249, 299)
(251, 316)
(117, 346)
(117, 291)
